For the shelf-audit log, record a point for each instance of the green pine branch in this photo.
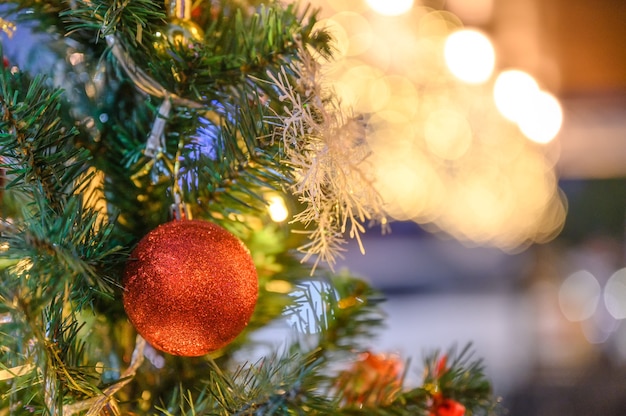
(93, 20)
(283, 384)
(46, 166)
(219, 80)
(342, 310)
(300, 380)
(464, 380)
(236, 45)
(454, 375)
(58, 253)
(66, 345)
(239, 165)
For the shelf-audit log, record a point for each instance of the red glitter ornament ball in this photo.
(190, 287)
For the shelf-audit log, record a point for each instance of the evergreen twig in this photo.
(64, 336)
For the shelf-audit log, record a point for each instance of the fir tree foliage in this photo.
(94, 157)
(57, 253)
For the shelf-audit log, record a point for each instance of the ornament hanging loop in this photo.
(156, 140)
(179, 9)
(179, 210)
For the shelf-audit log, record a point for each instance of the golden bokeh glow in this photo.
(579, 295)
(357, 34)
(472, 11)
(277, 208)
(447, 134)
(514, 92)
(542, 121)
(519, 99)
(390, 7)
(470, 55)
(448, 146)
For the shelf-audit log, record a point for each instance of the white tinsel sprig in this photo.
(328, 152)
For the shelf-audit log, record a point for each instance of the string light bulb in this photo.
(277, 209)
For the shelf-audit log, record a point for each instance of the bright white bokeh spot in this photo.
(514, 92)
(579, 296)
(390, 7)
(542, 120)
(277, 208)
(615, 294)
(470, 56)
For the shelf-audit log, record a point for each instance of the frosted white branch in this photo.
(327, 148)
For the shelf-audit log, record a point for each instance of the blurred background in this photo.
(498, 131)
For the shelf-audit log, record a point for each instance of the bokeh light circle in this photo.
(542, 121)
(390, 7)
(514, 92)
(447, 133)
(470, 55)
(579, 295)
(615, 294)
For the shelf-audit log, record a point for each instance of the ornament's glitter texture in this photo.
(190, 287)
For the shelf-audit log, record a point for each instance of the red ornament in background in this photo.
(447, 407)
(442, 366)
(374, 379)
(442, 406)
(190, 287)
(196, 12)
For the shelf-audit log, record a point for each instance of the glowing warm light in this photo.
(542, 121)
(277, 208)
(409, 186)
(579, 295)
(363, 88)
(405, 98)
(615, 294)
(514, 92)
(390, 7)
(519, 99)
(437, 24)
(357, 6)
(358, 31)
(76, 58)
(5, 262)
(472, 11)
(279, 286)
(23, 266)
(442, 154)
(470, 56)
(369, 90)
(447, 134)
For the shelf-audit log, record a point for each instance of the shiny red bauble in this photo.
(190, 287)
